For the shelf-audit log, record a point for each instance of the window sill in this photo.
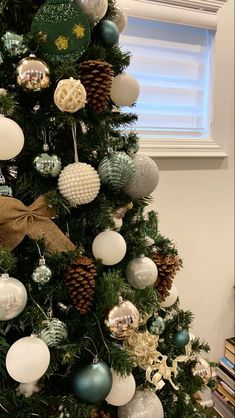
(182, 148)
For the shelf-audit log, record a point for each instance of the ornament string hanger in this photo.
(45, 146)
(102, 336)
(95, 356)
(75, 144)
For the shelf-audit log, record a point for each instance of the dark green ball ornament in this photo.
(92, 382)
(116, 170)
(156, 325)
(63, 30)
(107, 33)
(182, 338)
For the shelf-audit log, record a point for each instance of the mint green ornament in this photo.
(116, 170)
(63, 30)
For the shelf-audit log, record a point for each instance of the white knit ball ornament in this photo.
(70, 95)
(79, 183)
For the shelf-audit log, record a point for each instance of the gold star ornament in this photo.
(79, 31)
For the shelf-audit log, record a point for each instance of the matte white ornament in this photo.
(144, 404)
(79, 183)
(94, 9)
(123, 389)
(13, 297)
(171, 299)
(124, 90)
(109, 247)
(141, 272)
(27, 359)
(70, 95)
(145, 179)
(11, 138)
(120, 19)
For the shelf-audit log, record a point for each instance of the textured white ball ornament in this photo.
(145, 179)
(79, 183)
(13, 297)
(110, 247)
(27, 359)
(123, 389)
(70, 95)
(124, 90)
(144, 404)
(171, 299)
(11, 138)
(141, 272)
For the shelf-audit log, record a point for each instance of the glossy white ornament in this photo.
(13, 297)
(123, 389)
(79, 183)
(141, 272)
(94, 9)
(125, 90)
(145, 179)
(27, 359)
(144, 404)
(109, 247)
(120, 19)
(171, 299)
(70, 95)
(11, 138)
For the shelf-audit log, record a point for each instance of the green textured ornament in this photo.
(53, 332)
(116, 170)
(63, 29)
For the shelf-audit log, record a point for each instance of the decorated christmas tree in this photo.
(90, 320)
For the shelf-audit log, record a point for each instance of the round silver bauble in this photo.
(144, 404)
(13, 297)
(141, 272)
(94, 9)
(47, 165)
(145, 179)
(116, 170)
(53, 332)
(33, 74)
(42, 273)
(123, 320)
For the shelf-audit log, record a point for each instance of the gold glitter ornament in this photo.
(123, 320)
(70, 95)
(33, 74)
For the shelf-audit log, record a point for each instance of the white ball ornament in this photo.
(70, 95)
(171, 299)
(27, 359)
(79, 183)
(94, 9)
(109, 247)
(120, 19)
(123, 389)
(13, 297)
(125, 90)
(141, 272)
(11, 138)
(144, 404)
(145, 179)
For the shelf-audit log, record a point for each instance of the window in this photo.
(174, 66)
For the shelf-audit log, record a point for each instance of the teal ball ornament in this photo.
(156, 325)
(92, 382)
(182, 338)
(107, 33)
(116, 170)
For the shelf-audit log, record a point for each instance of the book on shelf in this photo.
(229, 399)
(221, 406)
(227, 365)
(230, 344)
(226, 378)
(229, 355)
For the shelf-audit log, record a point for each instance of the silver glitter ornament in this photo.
(47, 165)
(13, 297)
(145, 179)
(42, 273)
(53, 332)
(5, 190)
(141, 272)
(123, 320)
(144, 404)
(116, 170)
(156, 325)
(33, 74)
(14, 43)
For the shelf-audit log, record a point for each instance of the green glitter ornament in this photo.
(63, 30)
(116, 170)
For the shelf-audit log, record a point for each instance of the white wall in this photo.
(194, 200)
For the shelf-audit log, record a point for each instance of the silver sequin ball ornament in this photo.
(42, 273)
(145, 179)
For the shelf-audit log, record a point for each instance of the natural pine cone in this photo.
(167, 265)
(96, 76)
(79, 279)
(100, 414)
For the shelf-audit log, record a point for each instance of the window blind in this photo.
(173, 66)
(207, 5)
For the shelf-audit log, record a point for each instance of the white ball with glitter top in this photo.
(79, 183)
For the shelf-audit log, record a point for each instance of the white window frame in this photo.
(175, 146)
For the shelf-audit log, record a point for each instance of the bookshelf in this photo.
(224, 394)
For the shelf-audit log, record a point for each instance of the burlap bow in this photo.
(18, 220)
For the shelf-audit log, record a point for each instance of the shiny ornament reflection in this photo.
(94, 9)
(47, 165)
(141, 272)
(144, 404)
(33, 74)
(123, 320)
(42, 274)
(13, 297)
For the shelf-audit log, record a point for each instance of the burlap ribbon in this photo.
(18, 220)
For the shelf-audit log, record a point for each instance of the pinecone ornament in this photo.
(167, 266)
(100, 414)
(96, 76)
(79, 279)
